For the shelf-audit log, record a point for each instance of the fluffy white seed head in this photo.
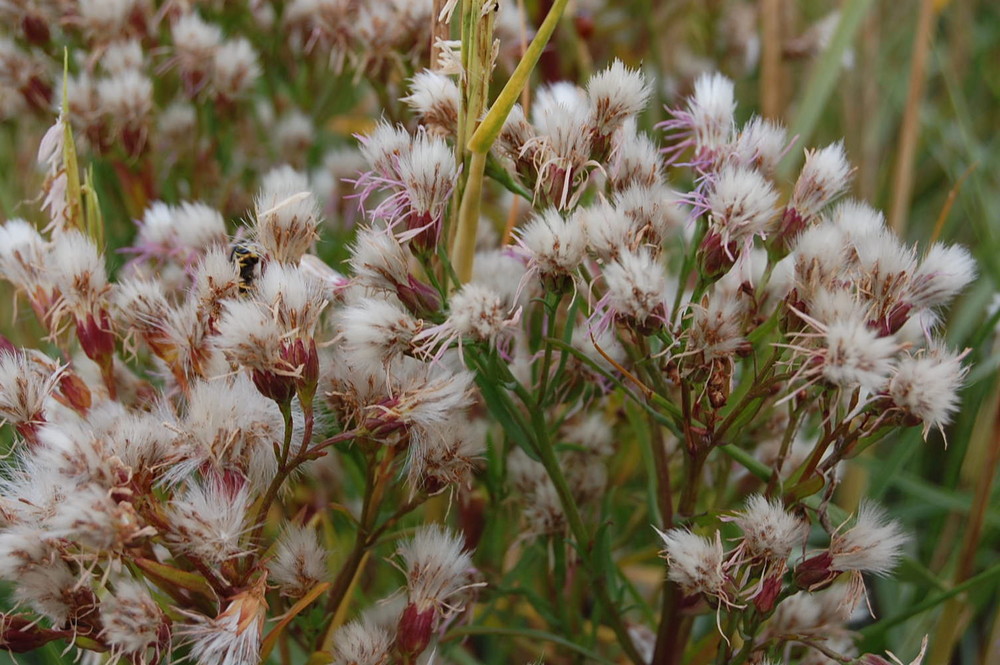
(232, 637)
(742, 203)
(90, 518)
(447, 455)
(197, 226)
(287, 215)
(428, 396)
(635, 160)
(132, 620)
(299, 563)
(250, 335)
(376, 332)
(195, 41)
(105, 19)
(609, 231)
(554, 97)
(503, 272)
(478, 311)
(234, 67)
(925, 385)
(127, 97)
(716, 329)
(857, 219)
(819, 258)
(542, 511)
(695, 563)
(208, 520)
(591, 431)
(22, 255)
(856, 357)
(294, 134)
(25, 384)
(437, 567)
(711, 108)
(768, 531)
(824, 177)
(944, 272)
(230, 427)
(656, 212)
(874, 544)
(615, 94)
(378, 260)
(434, 98)
(384, 146)
(293, 296)
(77, 270)
(760, 144)
(362, 642)
(638, 288)
(428, 172)
(555, 245)
(121, 56)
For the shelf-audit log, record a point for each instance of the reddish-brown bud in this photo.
(815, 573)
(428, 231)
(792, 224)
(35, 28)
(96, 336)
(19, 634)
(74, 393)
(764, 601)
(895, 320)
(421, 300)
(715, 257)
(415, 629)
(279, 387)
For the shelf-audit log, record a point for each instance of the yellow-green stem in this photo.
(491, 125)
(464, 250)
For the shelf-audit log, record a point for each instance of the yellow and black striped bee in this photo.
(247, 258)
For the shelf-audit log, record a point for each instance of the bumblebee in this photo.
(246, 256)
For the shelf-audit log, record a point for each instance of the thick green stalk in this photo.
(464, 250)
(491, 125)
(464, 247)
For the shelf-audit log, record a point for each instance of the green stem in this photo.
(548, 458)
(463, 251)
(491, 125)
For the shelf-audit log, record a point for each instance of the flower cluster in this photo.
(252, 434)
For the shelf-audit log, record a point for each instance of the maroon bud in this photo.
(74, 392)
(133, 139)
(309, 378)
(29, 429)
(37, 93)
(895, 320)
(35, 28)
(764, 601)
(97, 338)
(427, 229)
(584, 24)
(815, 573)
(414, 632)
(274, 386)
(716, 258)
(792, 224)
(19, 634)
(420, 299)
